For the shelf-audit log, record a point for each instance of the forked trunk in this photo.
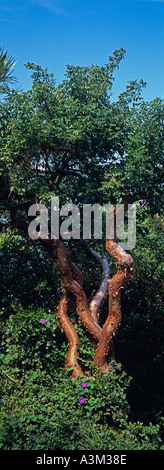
(72, 282)
(118, 281)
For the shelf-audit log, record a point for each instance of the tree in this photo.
(74, 142)
(7, 65)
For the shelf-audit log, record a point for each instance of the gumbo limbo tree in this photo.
(75, 142)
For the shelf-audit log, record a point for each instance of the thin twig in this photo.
(13, 380)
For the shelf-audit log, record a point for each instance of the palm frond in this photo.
(7, 65)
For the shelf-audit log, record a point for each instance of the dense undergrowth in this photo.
(40, 407)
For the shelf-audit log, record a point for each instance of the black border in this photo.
(81, 459)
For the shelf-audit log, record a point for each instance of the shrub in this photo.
(43, 408)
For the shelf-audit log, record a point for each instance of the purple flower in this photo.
(43, 321)
(81, 400)
(84, 385)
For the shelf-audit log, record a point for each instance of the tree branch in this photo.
(73, 286)
(72, 336)
(100, 296)
(125, 272)
(13, 380)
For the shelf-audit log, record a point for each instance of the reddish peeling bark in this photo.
(72, 282)
(100, 296)
(88, 313)
(125, 272)
(72, 336)
(73, 286)
(70, 275)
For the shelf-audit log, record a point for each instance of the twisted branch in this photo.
(73, 286)
(88, 313)
(125, 273)
(72, 336)
(100, 296)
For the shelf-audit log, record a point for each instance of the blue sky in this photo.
(53, 33)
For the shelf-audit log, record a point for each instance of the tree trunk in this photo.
(119, 280)
(72, 281)
(72, 336)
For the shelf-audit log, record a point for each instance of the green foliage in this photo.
(28, 277)
(142, 324)
(45, 416)
(116, 149)
(120, 142)
(40, 406)
(27, 343)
